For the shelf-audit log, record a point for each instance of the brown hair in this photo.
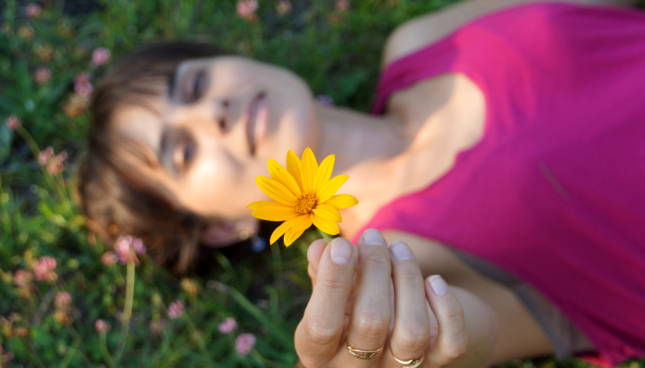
(113, 200)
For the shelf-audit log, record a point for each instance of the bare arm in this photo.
(429, 28)
(517, 333)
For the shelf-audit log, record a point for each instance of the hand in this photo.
(357, 308)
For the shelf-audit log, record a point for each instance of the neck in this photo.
(427, 127)
(366, 148)
(357, 139)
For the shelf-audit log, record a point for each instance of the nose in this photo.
(222, 116)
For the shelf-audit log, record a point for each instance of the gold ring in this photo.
(412, 363)
(364, 354)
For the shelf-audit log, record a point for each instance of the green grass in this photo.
(337, 53)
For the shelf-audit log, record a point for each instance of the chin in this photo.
(297, 131)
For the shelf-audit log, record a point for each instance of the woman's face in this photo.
(216, 128)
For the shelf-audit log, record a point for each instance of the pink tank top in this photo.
(554, 192)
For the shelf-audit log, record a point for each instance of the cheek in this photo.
(217, 188)
(208, 185)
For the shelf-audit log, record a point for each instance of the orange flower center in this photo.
(305, 204)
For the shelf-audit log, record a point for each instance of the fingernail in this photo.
(341, 251)
(373, 237)
(400, 251)
(439, 285)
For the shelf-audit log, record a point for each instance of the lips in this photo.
(257, 121)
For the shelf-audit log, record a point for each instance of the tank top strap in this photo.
(432, 60)
(487, 51)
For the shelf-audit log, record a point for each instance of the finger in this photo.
(411, 333)
(371, 308)
(434, 324)
(452, 340)
(314, 253)
(319, 333)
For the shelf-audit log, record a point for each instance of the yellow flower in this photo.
(304, 194)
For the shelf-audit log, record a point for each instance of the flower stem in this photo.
(198, 337)
(274, 326)
(325, 235)
(127, 309)
(71, 351)
(36, 151)
(277, 268)
(262, 360)
(106, 352)
(72, 330)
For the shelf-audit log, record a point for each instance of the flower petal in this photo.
(328, 212)
(291, 236)
(294, 166)
(325, 225)
(331, 187)
(309, 168)
(341, 201)
(275, 213)
(276, 190)
(260, 204)
(284, 228)
(280, 230)
(301, 222)
(299, 225)
(280, 174)
(324, 173)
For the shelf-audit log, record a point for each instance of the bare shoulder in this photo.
(430, 28)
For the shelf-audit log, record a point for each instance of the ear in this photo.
(222, 233)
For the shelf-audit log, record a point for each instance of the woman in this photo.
(506, 158)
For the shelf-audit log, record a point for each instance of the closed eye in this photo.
(193, 86)
(178, 150)
(184, 153)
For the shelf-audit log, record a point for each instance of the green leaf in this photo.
(6, 136)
